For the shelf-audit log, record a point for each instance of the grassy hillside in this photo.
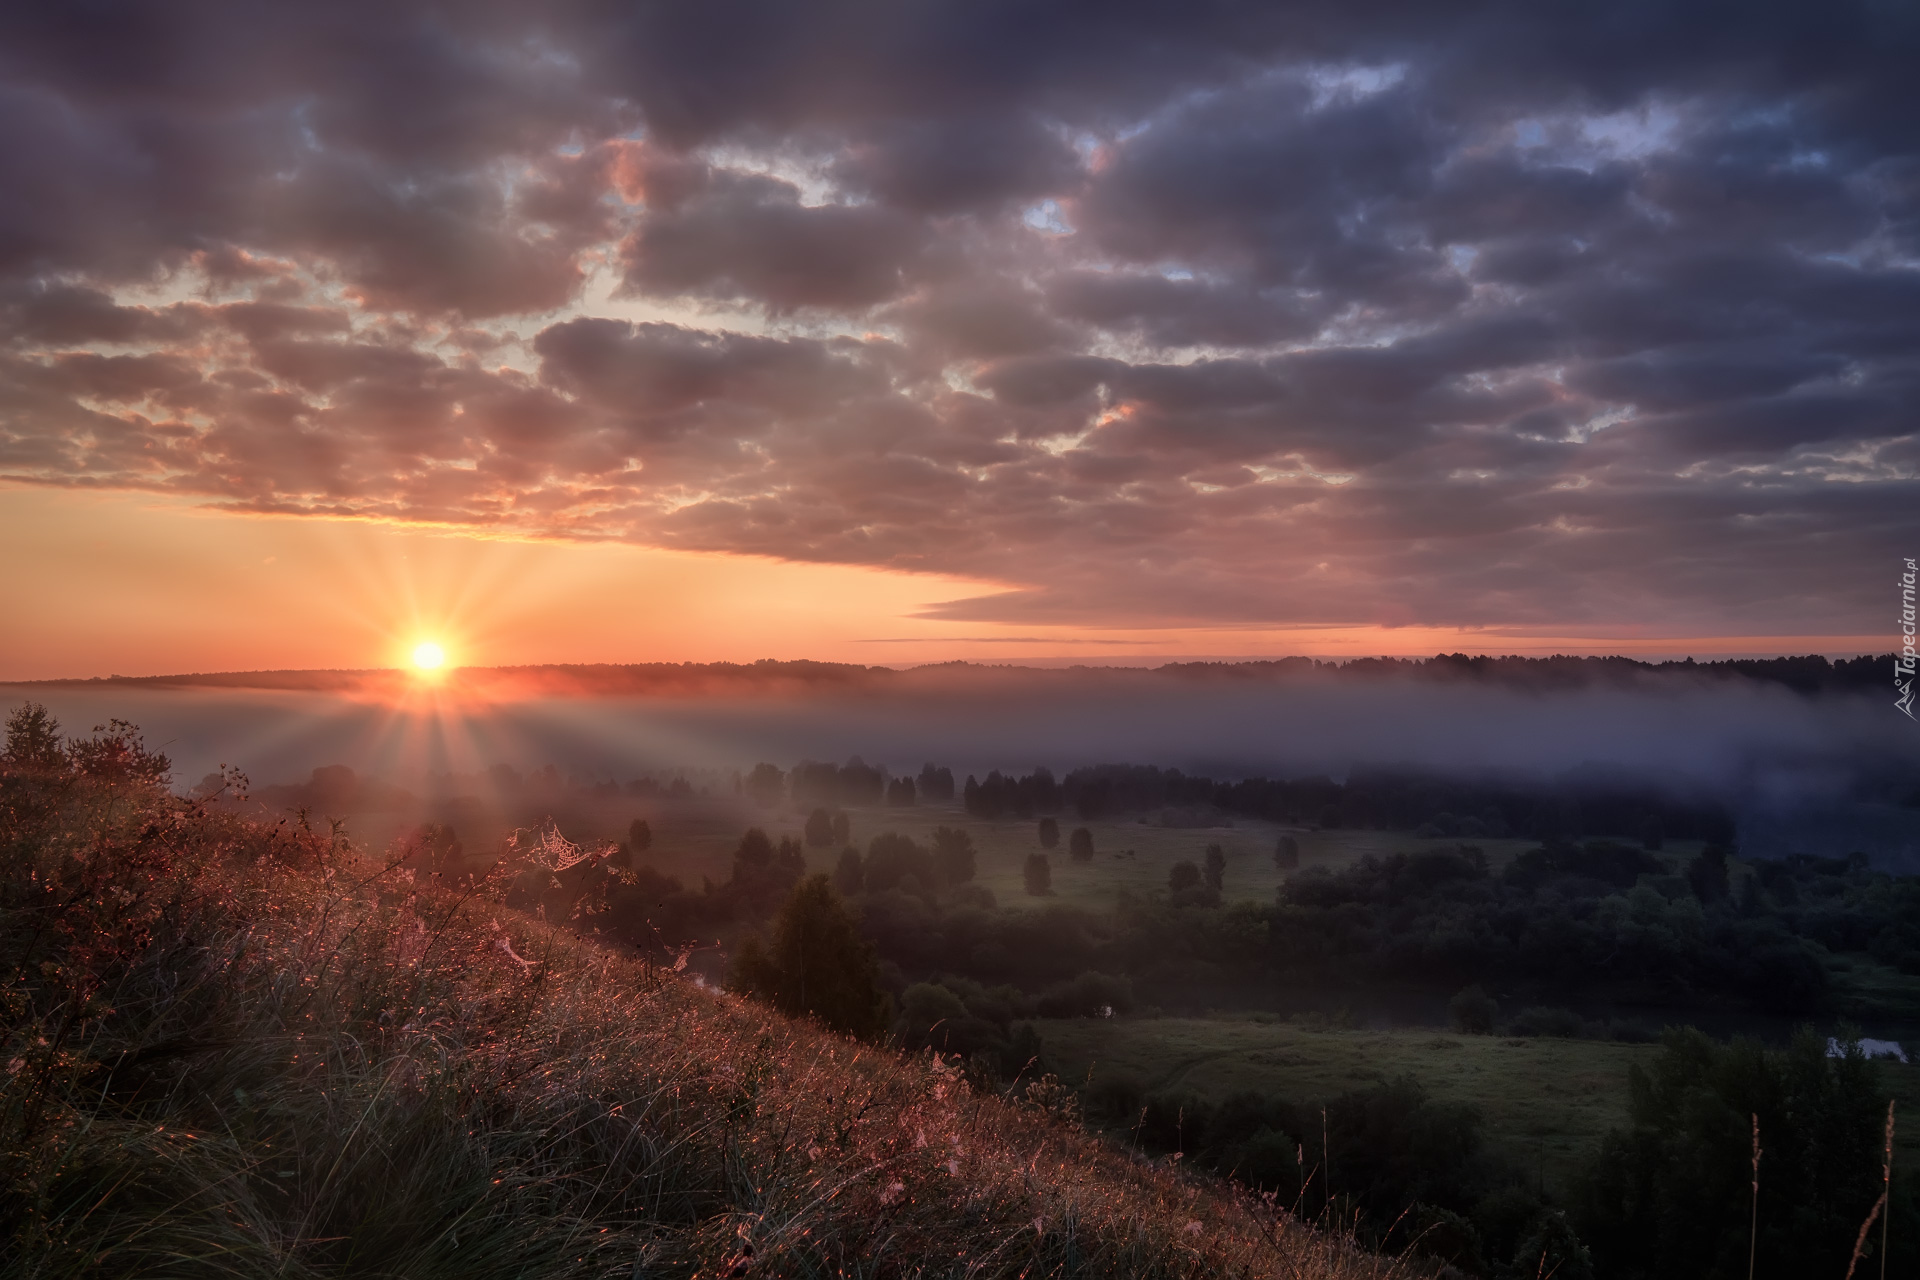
(240, 1049)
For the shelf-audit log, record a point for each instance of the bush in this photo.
(1216, 867)
(1184, 875)
(1038, 875)
(1080, 845)
(1089, 995)
(1115, 1094)
(1540, 1020)
(1049, 832)
(33, 741)
(1554, 1250)
(639, 836)
(1473, 1010)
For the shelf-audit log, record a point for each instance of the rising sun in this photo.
(428, 656)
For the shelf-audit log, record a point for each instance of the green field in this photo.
(1546, 1103)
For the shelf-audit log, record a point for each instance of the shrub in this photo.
(639, 836)
(1116, 1094)
(1080, 845)
(1541, 1020)
(1184, 875)
(1049, 832)
(1554, 1250)
(1038, 875)
(1089, 995)
(1216, 867)
(33, 741)
(1473, 1010)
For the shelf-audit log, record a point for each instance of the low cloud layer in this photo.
(1736, 739)
(1216, 314)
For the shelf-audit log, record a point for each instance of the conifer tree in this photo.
(816, 964)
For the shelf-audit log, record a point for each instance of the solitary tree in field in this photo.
(817, 964)
(1080, 845)
(1286, 854)
(639, 836)
(1038, 875)
(1183, 876)
(1216, 872)
(1049, 833)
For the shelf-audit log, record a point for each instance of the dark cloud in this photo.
(1186, 312)
(749, 237)
(1354, 312)
(956, 164)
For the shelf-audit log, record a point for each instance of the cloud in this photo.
(749, 237)
(1349, 313)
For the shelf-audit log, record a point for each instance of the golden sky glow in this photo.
(579, 336)
(130, 584)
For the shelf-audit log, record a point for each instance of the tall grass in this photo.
(238, 1049)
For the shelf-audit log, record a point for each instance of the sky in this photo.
(901, 332)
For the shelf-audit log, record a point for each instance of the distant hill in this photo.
(1809, 674)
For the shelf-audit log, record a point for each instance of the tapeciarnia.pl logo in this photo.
(1903, 663)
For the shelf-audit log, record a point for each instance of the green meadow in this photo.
(1546, 1103)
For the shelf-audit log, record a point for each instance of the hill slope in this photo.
(234, 1049)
